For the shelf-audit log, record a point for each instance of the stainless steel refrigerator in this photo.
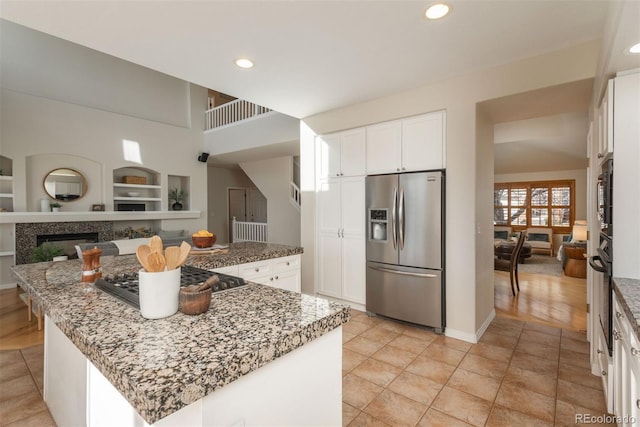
(405, 247)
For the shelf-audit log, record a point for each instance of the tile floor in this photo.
(21, 403)
(520, 373)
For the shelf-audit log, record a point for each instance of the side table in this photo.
(576, 262)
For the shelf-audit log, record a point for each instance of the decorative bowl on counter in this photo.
(203, 241)
(133, 194)
(194, 302)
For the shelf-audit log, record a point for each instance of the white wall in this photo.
(219, 180)
(468, 277)
(272, 177)
(37, 124)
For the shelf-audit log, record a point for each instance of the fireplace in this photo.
(31, 235)
(66, 241)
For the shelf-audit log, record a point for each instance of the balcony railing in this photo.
(232, 112)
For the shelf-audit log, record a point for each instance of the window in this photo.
(535, 204)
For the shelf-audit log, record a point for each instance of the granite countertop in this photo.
(163, 365)
(241, 253)
(628, 294)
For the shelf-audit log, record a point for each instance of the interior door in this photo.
(256, 210)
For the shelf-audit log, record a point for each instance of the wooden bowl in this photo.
(203, 241)
(194, 302)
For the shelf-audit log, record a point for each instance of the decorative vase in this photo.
(177, 206)
(44, 204)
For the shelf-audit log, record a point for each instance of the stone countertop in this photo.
(163, 365)
(628, 294)
(241, 253)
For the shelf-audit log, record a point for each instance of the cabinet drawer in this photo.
(286, 263)
(255, 269)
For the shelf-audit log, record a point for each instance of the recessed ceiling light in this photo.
(244, 63)
(437, 11)
(635, 48)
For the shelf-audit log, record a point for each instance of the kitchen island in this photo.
(260, 355)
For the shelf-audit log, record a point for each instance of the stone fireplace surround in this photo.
(26, 234)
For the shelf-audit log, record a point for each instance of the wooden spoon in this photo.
(185, 248)
(142, 252)
(172, 256)
(156, 244)
(156, 262)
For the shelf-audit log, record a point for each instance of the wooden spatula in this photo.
(156, 262)
(142, 252)
(185, 248)
(172, 256)
(156, 244)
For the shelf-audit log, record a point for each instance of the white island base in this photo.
(303, 387)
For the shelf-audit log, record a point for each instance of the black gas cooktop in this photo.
(125, 286)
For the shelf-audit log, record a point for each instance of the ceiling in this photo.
(314, 56)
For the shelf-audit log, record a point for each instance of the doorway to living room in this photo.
(540, 187)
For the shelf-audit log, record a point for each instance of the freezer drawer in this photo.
(404, 293)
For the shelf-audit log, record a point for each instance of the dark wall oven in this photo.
(603, 262)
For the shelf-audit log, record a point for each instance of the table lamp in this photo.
(579, 232)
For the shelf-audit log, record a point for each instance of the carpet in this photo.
(542, 264)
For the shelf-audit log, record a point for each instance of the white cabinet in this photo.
(423, 142)
(341, 153)
(283, 273)
(626, 367)
(411, 144)
(626, 175)
(605, 121)
(384, 147)
(341, 239)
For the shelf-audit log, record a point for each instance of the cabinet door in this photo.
(352, 206)
(329, 207)
(605, 144)
(352, 148)
(423, 142)
(353, 269)
(329, 265)
(384, 147)
(288, 280)
(328, 149)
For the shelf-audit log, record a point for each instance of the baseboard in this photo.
(460, 335)
(8, 285)
(485, 324)
(466, 336)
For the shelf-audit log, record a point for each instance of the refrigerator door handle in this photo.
(393, 218)
(401, 219)
(403, 273)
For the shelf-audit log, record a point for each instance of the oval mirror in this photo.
(65, 184)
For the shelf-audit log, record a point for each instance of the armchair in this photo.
(501, 232)
(541, 239)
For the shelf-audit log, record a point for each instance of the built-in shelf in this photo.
(150, 193)
(6, 253)
(6, 178)
(15, 217)
(6, 195)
